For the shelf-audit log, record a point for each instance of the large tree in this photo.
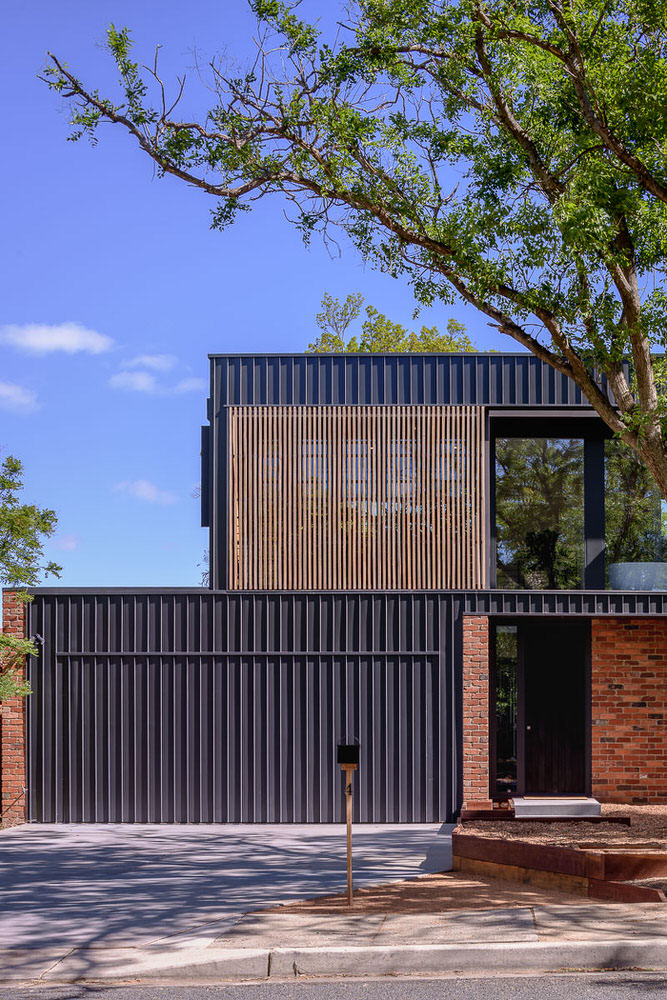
(23, 528)
(511, 153)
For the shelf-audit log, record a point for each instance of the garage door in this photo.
(215, 708)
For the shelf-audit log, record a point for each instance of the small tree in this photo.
(378, 333)
(22, 530)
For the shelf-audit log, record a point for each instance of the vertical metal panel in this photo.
(391, 379)
(205, 486)
(204, 707)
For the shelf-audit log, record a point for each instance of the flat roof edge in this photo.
(166, 591)
(373, 354)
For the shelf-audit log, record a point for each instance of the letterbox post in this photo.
(348, 758)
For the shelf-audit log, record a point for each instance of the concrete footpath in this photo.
(285, 943)
(179, 904)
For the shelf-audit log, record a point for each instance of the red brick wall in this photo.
(475, 709)
(629, 709)
(12, 727)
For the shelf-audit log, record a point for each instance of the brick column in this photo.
(629, 710)
(12, 727)
(476, 712)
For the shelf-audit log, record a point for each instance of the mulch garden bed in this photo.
(602, 860)
(647, 829)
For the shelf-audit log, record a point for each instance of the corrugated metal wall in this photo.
(392, 379)
(205, 707)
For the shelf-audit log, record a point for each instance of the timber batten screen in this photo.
(356, 497)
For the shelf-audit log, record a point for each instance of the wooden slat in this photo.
(383, 530)
(403, 525)
(356, 497)
(232, 499)
(448, 499)
(392, 463)
(261, 505)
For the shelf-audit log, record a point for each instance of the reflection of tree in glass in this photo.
(539, 513)
(506, 709)
(632, 509)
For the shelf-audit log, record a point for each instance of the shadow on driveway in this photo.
(113, 886)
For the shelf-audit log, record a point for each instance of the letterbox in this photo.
(348, 753)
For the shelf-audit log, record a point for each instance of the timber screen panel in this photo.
(356, 497)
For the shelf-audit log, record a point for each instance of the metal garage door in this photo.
(211, 707)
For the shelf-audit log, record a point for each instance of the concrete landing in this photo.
(537, 807)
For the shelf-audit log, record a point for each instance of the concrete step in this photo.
(544, 807)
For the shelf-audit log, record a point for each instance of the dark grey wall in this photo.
(202, 707)
(484, 379)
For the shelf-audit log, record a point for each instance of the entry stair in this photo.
(538, 807)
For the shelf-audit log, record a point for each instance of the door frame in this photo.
(521, 701)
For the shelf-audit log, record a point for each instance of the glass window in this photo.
(506, 660)
(539, 513)
(635, 523)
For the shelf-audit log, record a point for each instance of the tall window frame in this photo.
(530, 424)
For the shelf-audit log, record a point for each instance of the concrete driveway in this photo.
(101, 886)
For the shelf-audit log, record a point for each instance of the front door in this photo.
(540, 732)
(553, 707)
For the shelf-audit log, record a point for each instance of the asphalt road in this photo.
(593, 986)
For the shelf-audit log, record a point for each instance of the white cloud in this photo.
(41, 338)
(66, 543)
(142, 489)
(16, 398)
(156, 362)
(134, 381)
(190, 385)
(148, 382)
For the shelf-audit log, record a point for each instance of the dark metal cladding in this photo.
(200, 706)
(585, 603)
(217, 708)
(299, 379)
(205, 485)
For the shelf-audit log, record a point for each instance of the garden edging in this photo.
(599, 874)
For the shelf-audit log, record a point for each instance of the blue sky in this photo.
(114, 290)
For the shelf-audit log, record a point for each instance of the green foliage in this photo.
(22, 530)
(633, 511)
(302, 36)
(378, 333)
(513, 154)
(506, 701)
(12, 654)
(333, 320)
(539, 513)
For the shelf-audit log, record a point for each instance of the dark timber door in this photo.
(553, 707)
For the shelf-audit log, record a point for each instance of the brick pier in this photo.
(476, 712)
(12, 727)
